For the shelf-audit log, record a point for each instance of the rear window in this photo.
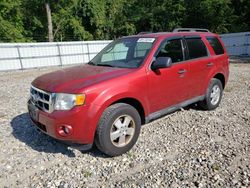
(216, 45)
(196, 48)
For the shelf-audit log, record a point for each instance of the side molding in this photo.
(173, 108)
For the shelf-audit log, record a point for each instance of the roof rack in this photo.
(190, 30)
(144, 32)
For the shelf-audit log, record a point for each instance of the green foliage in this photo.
(11, 27)
(241, 21)
(34, 19)
(212, 14)
(68, 21)
(26, 20)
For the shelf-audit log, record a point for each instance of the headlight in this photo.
(67, 101)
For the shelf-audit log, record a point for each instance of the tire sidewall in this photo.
(105, 140)
(213, 82)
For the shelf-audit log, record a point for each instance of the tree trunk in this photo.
(50, 26)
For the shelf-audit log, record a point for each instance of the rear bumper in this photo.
(77, 118)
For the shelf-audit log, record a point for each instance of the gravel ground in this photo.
(188, 148)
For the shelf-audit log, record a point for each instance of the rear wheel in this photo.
(118, 129)
(213, 95)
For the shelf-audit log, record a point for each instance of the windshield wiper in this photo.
(96, 64)
(91, 63)
(105, 65)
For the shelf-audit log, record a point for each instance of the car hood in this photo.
(75, 79)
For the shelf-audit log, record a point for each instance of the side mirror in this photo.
(161, 63)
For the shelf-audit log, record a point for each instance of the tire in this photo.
(213, 95)
(118, 129)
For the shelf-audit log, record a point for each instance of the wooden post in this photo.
(59, 54)
(88, 51)
(50, 26)
(20, 57)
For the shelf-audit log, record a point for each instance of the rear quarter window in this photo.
(216, 45)
(196, 48)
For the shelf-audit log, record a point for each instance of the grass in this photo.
(86, 173)
(228, 89)
(130, 154)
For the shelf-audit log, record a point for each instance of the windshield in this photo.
(124, 53)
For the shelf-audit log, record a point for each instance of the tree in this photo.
(35, 20)
(241, 21)
(50, 25)
(211, 14)
(102, 18)
(11, 25)
(67, 20)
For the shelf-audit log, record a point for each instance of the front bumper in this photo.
(52, 123)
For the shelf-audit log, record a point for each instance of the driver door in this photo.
(169, 86)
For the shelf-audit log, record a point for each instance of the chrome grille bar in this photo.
(41, 99)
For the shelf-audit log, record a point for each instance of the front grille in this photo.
(41, 99)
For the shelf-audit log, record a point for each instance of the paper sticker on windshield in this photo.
(150, 40)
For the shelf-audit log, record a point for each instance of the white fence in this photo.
(237, 44)
(15, 56)
(31, 55)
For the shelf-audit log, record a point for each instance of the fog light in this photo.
(65, 130)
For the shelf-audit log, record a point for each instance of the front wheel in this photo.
(118, 129)
(213, 95)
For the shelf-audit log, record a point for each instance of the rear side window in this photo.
(216, 45)
(196, 48)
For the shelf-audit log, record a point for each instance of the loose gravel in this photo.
(188, 148)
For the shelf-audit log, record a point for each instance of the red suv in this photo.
(131, 82)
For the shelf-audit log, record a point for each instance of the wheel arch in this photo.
(136, 104)
(221, 77)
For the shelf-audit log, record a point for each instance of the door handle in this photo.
(210, 64)
(182, 71)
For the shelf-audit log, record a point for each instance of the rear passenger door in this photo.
(200, 63)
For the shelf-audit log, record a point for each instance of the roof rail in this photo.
(190, 30)
(144, 32)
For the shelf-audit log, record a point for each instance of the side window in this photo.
(216, 45)
(119, 52)
(196, 48)
(173, 49)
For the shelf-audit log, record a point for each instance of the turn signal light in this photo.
(80, 99)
